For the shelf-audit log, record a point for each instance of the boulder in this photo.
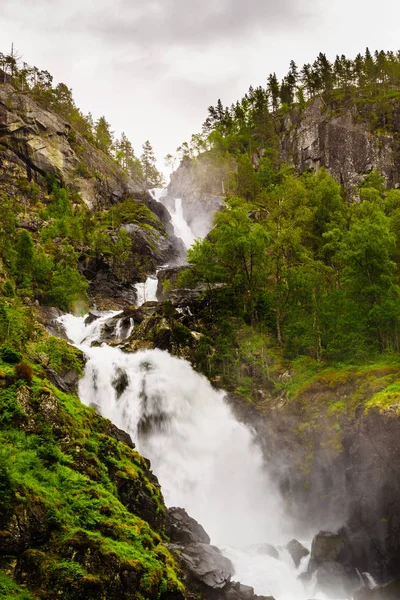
(207, 565)
(66, 382)
(337, 580)
(267, 549)
(387, 591)
(238, 591)
(329, 547)
(47, 316)
(331, 562)
(92, 317)
(297, 551)
(182, 529)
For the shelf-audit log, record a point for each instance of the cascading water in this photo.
(181, 228)
(206, 461)
(146, 291)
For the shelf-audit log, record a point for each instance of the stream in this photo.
(206, 461)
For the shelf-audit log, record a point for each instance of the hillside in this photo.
(290, 304)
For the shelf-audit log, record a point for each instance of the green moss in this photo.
(57, 455)
(387, 399)
(10, 590)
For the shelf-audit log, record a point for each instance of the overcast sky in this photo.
(152, 67)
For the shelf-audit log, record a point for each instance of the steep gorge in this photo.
(333, 457)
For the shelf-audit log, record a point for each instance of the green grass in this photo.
(57, 459)
(9, 590)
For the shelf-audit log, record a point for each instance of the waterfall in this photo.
(180, 226)
(206, 461)
(146, 291)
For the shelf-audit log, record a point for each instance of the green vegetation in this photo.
(58, 98)
(318, 273)
(66, 476)
(44, 265)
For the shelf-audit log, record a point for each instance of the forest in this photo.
(297, 255)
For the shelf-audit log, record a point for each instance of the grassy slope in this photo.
(60, 473)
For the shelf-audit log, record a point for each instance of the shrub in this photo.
(9, 355)
(24, 372)
(8, 289)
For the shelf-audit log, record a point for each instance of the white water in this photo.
(147, 291)
(181, 227)
(206, 461)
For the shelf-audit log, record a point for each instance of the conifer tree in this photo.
(152, 176)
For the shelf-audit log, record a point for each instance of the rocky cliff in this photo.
(342, 142)
(38, 148)
(339, 137)
(35, 141)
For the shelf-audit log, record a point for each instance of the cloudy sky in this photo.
(152, 67)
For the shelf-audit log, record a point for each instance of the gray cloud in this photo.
(195, 22)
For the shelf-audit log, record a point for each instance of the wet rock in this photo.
(332, 563)
(328, 547)
(92, 317)
(66, 382)
(238, 591)
(387, 591)
(182, 529)
(120, 382)
(337, 580)
(207, 565)
(47, 316)
(266, 549)
(114, 431)
(297, 551)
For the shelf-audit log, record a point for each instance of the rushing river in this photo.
(206, 461)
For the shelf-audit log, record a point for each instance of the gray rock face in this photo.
(207, 565)
(182, 529)
(297, 551)
(44, 143)
(314, 138)
(47, 316)
(388, 591)
(332, 562)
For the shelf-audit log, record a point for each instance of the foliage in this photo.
(58, 98)
(319, 274)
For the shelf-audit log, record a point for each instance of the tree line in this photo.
(59, 98)
(319, 273)
(369, 82)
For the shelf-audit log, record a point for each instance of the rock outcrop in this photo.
(207, 573)
(200, 186)
(297, 551)
(331, 563)
(35, 142)
(342, 143)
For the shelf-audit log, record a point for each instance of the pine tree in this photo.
(153, 178)
(103, 135)
(274, 91)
